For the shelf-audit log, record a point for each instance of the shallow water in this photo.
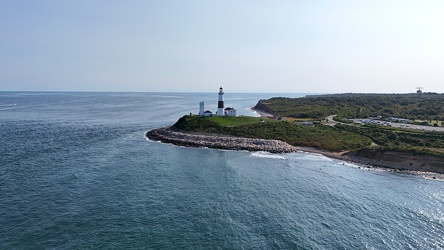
(77, 172)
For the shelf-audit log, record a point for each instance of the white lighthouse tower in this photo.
(220, 103)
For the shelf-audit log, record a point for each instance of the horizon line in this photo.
(205, 92)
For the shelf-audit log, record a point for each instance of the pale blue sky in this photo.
(382, 46)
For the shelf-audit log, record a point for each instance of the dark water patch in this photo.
(22, 141)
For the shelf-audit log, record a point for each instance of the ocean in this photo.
(77, 173)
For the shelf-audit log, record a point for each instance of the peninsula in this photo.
(304, 127)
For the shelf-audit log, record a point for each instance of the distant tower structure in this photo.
(220, 104)
(201, 108)
(419, 90)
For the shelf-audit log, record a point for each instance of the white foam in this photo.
(262, 154)
(7, 106)
(254, 112)
(313, 156)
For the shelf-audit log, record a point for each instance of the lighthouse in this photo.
(220, 103)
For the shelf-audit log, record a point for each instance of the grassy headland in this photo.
(376, 145)
(321, 136)
(425, 107)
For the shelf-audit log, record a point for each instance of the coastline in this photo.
(388, 160)
(194, 139)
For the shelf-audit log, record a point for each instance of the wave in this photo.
(262, 154)
(254, 112)
(8, 106)
(313, 156)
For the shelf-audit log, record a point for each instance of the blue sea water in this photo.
(77, 173)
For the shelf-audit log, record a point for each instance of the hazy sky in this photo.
(245, 46)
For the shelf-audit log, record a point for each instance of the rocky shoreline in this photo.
(194, 139)
(396, 161)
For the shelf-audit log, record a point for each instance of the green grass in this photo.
(231, 121)
(412, 106)
(324, 137)
(400, 139)
(225, 121)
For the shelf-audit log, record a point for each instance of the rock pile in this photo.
(192, 139)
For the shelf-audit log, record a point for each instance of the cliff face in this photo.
(262, 107)
(398, 160)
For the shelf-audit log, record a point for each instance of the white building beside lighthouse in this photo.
(230, 111)
(220, 103)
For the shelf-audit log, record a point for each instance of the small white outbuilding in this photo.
(230, 111)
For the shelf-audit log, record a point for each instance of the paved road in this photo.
(419, 127)
(410, 126)
(330, 120)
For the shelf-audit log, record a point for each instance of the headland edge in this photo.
(387, 159)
